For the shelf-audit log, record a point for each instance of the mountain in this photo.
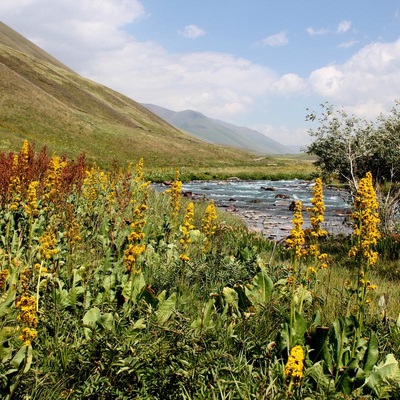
(44, 101)
(220, 132)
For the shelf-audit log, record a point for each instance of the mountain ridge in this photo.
(220, 132)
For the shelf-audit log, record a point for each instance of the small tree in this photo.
(348, 147)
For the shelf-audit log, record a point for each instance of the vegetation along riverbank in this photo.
(110, 290)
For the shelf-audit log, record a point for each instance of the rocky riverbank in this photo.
(276, 224)
(265, 206)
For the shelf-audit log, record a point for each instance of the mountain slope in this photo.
(46, 102)
(220, 132)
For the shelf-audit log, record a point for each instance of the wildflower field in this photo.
(110, 290)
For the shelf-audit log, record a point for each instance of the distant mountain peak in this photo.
(220, 132)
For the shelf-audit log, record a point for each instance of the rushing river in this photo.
(264, 194)
(265, 204)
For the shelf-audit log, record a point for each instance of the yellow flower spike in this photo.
(317, 211)
(296, 240)
(366, 221)
(139, 198)
(294, 368)
(28, 335)
(52, 185)
(209, 224)
(186, 227)
(31, 207)
(175, 195)
(48, 242)
(15, 185)
(3, 277)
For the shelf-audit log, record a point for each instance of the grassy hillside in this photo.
(47, 103)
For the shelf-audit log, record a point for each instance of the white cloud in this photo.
(219, 85)
(279, 39)
(314, 32)
(368, 82)
(192, 32)
(290, 84)
(285, 135)
(347, 45)
(343, 26)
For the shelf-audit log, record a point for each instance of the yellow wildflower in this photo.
(209, 224)
(31, 207)
(24, 158)
(366, 220)
(52, 184)
(296, 240)
(186, 227)
(48, 242)
(295, 364)
(28, 335)
(15, 185)
(135, 247)
(175, 193)
(317, 211)
(3, 277)
(28, 309)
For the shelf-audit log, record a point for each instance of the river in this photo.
(264, 205)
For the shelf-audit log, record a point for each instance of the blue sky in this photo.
(254, 63)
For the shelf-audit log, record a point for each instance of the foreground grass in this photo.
(129, 294)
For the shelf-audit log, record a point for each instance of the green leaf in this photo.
(260, 289)
(91, 317)
(29, 359)
(204, 322)
(106, 321)
(381, 375)
(139, 324)
(231, 298)
(6, 303)
(73, 295)
(132, 289)
(19, 357)
(316, 372)
(299, 329)
(372, 354)
(165, 309)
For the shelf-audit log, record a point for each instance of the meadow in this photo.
(110, 290)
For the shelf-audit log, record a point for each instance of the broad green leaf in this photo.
(381, 375)
(165, 309)
(299, 329)
(6, 303)
(29, 359)
(316, 372)
(132, 289)
(19, 357)
(139, 324)
(260, 289)
(73, 295)
(231, 298)
(109, 282)
(204, 322)
(372, 354)
(106, 321)
(91, 317)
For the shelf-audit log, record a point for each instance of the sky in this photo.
(261, 64)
